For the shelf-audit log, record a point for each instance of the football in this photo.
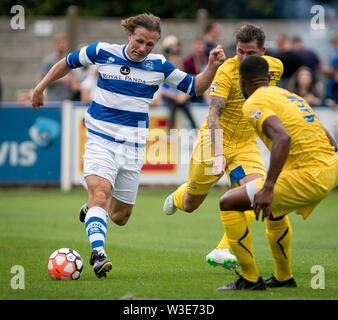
(65, 264)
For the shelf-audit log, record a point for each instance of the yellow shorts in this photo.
(300, 190)
(240, 162)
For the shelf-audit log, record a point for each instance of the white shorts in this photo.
(115, 162)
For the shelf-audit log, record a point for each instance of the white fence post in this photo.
(66, 146)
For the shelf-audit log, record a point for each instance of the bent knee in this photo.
(225, 203)
(235, 199)
(99, 199)
(120, 222)
(121, 217)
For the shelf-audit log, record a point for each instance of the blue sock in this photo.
(96, 227)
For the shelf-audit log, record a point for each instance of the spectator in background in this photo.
(171, 49)
(291, 61)
(194, 63)
(197, 59)
(332, 90)
(24, 97)
(302, 83)
(61, 89)
(308, 57)
(331, 72)
(211, 36)
(78, 76)
(328, 69)
(88, 85)
(175, 99)
(171, 46)
(334, 55)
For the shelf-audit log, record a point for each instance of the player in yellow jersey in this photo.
(237, 153)
(302, 172)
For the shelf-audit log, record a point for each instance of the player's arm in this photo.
(204, 79)
(79, 58)
(58, 71)
(273, 128)
(216, 109)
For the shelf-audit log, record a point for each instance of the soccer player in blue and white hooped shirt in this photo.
(117, 120)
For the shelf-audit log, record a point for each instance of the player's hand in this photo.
(217, 56)
(218, 167)
(262, 201)
(38, 98)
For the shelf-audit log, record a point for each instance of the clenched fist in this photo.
(217, 56)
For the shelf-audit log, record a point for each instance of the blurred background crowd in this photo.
(305, 72)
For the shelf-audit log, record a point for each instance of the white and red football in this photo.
(65, 264)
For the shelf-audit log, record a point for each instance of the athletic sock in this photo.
(96, 227)
(224, 243)
(249, 216)
(279, 235)
(240, 239)
(178, 196)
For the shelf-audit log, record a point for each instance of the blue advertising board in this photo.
(30, 145)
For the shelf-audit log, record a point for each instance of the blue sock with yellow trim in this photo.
(279, 235)
(240, 239)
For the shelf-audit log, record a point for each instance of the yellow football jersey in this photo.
(236, 129)
(310, 145)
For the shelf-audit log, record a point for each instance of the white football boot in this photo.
(169, 206)
(222, 257)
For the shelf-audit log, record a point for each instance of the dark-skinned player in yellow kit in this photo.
(302, 172)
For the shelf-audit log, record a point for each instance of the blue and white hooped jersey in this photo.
(119, 110)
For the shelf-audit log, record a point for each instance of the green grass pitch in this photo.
(154, 256)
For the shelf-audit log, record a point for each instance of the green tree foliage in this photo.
(180, 9)
(184, 9)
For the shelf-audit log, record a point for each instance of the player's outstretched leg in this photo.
(183, 200)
